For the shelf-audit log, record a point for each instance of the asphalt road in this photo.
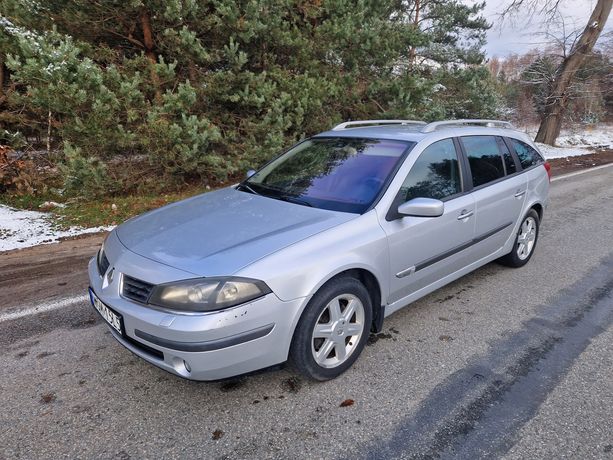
(503, 363)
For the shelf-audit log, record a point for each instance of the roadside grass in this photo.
(103, 211)
(115, 210)
(29, 202)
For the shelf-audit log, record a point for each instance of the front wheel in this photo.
(333, 329)
(525, 241)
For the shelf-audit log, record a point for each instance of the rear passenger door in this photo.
(499, 190)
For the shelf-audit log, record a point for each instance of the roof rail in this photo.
(489, 123)
(353, 124)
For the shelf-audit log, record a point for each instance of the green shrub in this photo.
(84, 176)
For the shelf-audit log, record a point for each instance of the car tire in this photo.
(525, 241)
(332, 330)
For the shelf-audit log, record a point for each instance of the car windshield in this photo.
(340, 174)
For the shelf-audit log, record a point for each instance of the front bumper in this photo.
(207, 346)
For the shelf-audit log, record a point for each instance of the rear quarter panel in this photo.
(538, 179)
(538, 187)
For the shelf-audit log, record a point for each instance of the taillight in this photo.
(548, 169)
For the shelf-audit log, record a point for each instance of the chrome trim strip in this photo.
(405, 272)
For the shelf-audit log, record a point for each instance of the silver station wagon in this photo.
(308, 255)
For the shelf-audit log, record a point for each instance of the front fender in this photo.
(299, 270)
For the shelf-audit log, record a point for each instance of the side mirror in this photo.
(250, 173)
(422, 207)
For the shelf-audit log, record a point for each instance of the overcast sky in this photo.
(522, 34)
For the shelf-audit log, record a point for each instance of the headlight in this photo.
(207, 294)
(101, 261)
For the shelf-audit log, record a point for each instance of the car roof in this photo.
(413, 133)
(394, 132)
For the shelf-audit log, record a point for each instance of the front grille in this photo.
(134, 289)
(103, 262)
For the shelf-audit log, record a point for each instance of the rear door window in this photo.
(484, 158)
(435, 174)
(527, 155)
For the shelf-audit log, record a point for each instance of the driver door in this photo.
(425, 249)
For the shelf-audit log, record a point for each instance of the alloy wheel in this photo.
(338, 331)
(526, 238)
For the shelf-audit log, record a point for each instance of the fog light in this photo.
(187, 367)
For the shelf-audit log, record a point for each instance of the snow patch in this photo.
(577, 141)
(597, 138)
(22, 229)
(550, 152)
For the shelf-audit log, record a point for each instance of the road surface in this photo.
(500, 364)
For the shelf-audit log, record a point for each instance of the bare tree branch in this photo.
(548, 8)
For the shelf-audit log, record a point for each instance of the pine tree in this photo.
(208, 88)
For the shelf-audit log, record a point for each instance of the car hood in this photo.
(220, 232)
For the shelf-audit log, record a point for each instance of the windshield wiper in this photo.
(275, 194)
(249, 189)
(294, 199)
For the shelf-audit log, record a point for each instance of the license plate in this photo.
(112, 318)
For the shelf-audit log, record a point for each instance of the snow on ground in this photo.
(22, 229)
(600, 136)
(577, 141)
(550, 152)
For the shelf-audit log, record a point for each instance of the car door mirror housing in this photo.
(422, 207)
(250, 173)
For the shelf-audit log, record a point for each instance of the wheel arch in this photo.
(370, 281)
(538, 207)
(365, 276)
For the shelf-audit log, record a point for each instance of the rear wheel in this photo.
(332, 330)
(525, 241)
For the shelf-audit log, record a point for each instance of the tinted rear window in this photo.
(527, 155)
(484, 159)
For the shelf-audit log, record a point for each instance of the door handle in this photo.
(465, 214)
(520, 193)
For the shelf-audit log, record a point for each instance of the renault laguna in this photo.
(308, 255)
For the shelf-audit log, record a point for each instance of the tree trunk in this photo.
(49, 133)
(1, 77)
(145, 21)
(413, 51)
(192, 72)
(556, 101)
